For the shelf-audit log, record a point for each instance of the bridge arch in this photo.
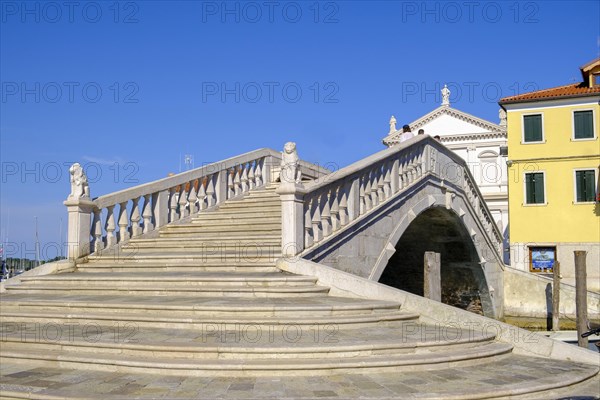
(366, 248)
(440, 230)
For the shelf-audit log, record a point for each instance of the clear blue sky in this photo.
(128, 88)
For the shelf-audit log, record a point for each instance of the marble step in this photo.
(243, 342)
(251, 230)
(223, 255)
(215, 246)
(257, 217)
(208, 290)
(258, 367)
(45, 316)
(225, 309)
(162, 266)
(242, 211)
(171, 279)
(173, 242)
(513, 377)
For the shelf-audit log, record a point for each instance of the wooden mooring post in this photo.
(556, 297)
(432, 278)
(581, 297)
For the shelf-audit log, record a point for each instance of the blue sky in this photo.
(128, 88)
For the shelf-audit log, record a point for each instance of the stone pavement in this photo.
(507, 378)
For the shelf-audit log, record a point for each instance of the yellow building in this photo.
(553, 168)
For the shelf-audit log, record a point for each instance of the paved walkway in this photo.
(502, 379)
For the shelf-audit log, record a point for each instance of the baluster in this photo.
(335, 209)
(202, 193)
(210, 191)
(368, 204)
(98, 243)
(123, 223)
(325, 214)
(387, 180)
(395, 183)
(361, 195)
(308, 231)
(258, 173)
(230, 186)
(403, 177)
(147, 214)
(237, 182)
(135, 218)
(343, 205)
(380, 185)
(316, 219)
(244, 178)
(251, 176)
(183, 202)
(111, 239)
(373, 180)
(193, 197)
(173, 205)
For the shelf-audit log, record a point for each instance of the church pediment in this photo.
(448, 121)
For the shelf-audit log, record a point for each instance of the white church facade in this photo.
(482, 144)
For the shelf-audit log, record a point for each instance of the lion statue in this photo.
(79, 182)
(290, 169)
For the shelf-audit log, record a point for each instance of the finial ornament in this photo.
(393, 125)
(502, 116)
(445, 96)
(79, 182)
(290, 169)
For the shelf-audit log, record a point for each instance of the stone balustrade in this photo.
(315, 211)
(113, 219)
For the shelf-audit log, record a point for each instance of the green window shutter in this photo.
(584, 124)
(529, 189)
(539, 188)
(585, 184)
(534, 188)
(532, 125)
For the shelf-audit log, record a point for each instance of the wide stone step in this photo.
(207, 290)
(214, 246)
(201, 256)
(226, 309)
(244, 341)
(222, 216)
(237, 210)
(251, 230)
(205, 322)
(238, 279)
(514, 377)
(157, 267)
(257, 367)
(193, 242)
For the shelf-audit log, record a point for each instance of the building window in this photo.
(585, 186)
(542, 259)
(583, 124)
(534, 188)
(532, 128)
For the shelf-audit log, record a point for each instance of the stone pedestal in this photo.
(79, 226)
(292, 218)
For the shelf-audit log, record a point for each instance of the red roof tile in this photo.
(572, 90)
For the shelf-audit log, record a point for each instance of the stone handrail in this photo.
(313, 212)
(108, 220)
